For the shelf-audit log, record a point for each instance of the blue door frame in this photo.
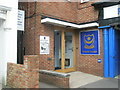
(111, 52)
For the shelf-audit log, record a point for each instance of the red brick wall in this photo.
(31, 62)
(68, 11)
(32, 46)
(26, 75)
(32, 33)
(87, 15)
(74, 12)
(45, 30)
(86, 12)
(62, 82)
(20, 77)
(88, 63)
(61, 10)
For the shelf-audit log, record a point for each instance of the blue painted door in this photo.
(114, 52)
(111, 40)
(111, 65)
(117, 52)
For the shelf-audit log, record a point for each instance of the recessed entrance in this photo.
(64, 52)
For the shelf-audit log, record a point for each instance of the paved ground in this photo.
(0, 80)
(45, 85)
(83, 80)
(0, 86)
(78, 79)
(104, 83)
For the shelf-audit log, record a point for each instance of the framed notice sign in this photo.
(20, 20)
(89, 42)
(44, 45)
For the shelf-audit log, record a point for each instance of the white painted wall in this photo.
(1, 49)
(8, 37)
(111, 12)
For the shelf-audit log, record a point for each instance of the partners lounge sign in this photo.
(89, 42)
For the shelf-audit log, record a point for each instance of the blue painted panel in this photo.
(111, 41)
(111, 52)
(114, 51)
(117, 52)
(106, 51)
(89, 42)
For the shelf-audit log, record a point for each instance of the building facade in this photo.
(8, 36)
(67, 36)
(110, 25)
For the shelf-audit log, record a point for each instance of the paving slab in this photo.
(78, 79)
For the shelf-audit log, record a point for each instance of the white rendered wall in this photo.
(111, 12)
(1, 49)
(9, 37)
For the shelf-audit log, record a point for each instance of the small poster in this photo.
(89, 42)
(44, 45)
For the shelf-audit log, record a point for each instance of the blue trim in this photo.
(106, 52)
(102, 27)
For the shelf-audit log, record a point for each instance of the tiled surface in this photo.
(78, 79)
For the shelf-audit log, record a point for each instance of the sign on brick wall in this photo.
(108, 11)
(20, 20)
(44, 45)
(89, 42)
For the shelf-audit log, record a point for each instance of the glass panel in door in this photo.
(68, 50)
(57, 49)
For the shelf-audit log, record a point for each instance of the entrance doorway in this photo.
(64, 51)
